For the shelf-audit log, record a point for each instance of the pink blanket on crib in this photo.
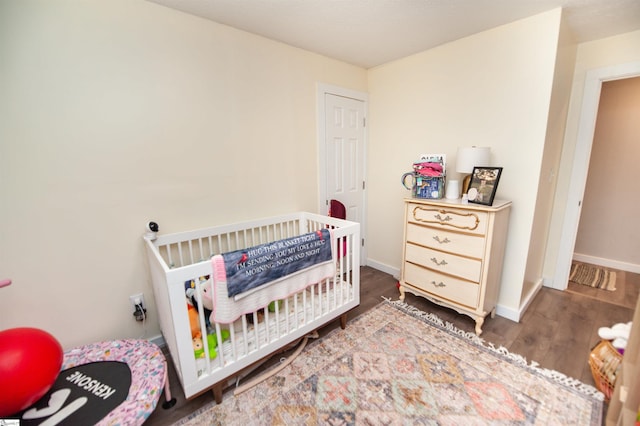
(227, 308)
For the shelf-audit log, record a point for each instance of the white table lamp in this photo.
(467, 159)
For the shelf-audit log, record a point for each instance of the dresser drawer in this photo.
(459, 266)
(472, 221)
(442, 286)
(438, 238)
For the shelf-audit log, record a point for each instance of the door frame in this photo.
(582, 154)
(322, 90)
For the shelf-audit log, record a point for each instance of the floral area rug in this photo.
(396, 365)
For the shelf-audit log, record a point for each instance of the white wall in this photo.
(490, 89)
(543, 213)
(595, 55)
(117, 112)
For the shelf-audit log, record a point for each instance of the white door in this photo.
(344, 146)
(581, 157)
(343, 163)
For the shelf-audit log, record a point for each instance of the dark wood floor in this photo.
(558, 331)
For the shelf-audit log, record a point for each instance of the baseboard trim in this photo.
(395, 272)
(607, 263)
(508, 313)
(158, 340)
(516, 314)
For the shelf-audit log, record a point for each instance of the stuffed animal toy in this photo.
(272, 306)
(198, 348)
(204, 284)
(212, 344)
(194, 323)
(618, 334)
(207, 296)
(207, 300)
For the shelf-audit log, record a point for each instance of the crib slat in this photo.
(245, 333)
(180, 254)
(288, 321)
(296, 312)
(234, 343)
(277, 315)
(255, 329)
(201, 252)
(267, 323)
(169, 257)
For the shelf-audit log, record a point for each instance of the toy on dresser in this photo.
(428, 177)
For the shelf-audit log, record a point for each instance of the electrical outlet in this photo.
(138, 306)
(137, 299)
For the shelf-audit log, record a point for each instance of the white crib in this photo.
(179, 258)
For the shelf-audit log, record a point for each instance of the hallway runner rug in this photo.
(397, 365)
(592, 276)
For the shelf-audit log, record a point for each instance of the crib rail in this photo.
(177, 259)
(199, 247)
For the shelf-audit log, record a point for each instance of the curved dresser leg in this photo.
(479, 322)
(401, 291)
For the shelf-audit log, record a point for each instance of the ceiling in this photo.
(368, 33)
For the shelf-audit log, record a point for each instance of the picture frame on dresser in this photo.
(483, 186)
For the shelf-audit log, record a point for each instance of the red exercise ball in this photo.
(30, 361)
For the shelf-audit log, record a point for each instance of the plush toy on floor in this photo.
(618, 334)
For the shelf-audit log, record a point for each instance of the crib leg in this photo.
(217, 393)
(343, 321)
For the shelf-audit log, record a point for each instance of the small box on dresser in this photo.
(453, 253)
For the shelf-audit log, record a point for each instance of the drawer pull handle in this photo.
(446, 240)
(471, 221)
(447, 218)
(442, 263)
(440, 284)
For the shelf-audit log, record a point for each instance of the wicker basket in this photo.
(605, 362)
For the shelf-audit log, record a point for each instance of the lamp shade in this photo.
(471, 157)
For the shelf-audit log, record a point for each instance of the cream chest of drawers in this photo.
(453, 254)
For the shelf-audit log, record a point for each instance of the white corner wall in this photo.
(490, 89)
(114, 113)
(559, 105)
